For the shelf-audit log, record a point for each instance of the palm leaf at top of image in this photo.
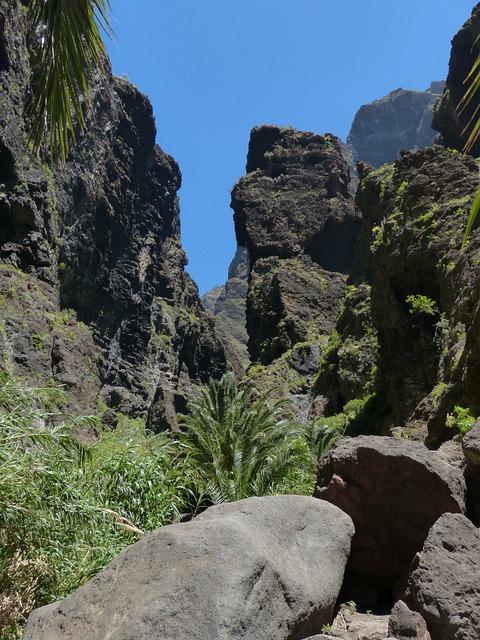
(68, 48)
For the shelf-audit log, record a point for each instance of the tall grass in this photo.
(65, 508)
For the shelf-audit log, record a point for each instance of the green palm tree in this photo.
(242, 445)
(67, 47)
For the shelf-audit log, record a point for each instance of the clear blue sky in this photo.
(214, 69)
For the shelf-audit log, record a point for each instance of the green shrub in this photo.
(462, 420)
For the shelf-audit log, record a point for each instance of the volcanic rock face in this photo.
(260, 568)
(124, 264)
(424, 291)
(294, 214)
(400, 120)
(100, 237)
(294, 199)
(450, 119)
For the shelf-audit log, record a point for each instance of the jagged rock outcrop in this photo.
(294, 199)
(450, 119)
(260, 568)
(100, 236)
(294, 214)
(443, 584)
(371, 479)
(400, 120)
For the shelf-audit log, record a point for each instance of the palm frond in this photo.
(68, 47)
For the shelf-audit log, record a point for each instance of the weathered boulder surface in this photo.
(405, 624)
(260, 568)
(394, 490)
(449, 120)
(400, 120)
(443, 582)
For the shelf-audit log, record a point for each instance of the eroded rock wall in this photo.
(100, 236)
(294, 213)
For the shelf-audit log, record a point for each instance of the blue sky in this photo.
(214, 69)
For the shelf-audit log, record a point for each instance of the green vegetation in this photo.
(70, 49)
(462, 420)
(67, 507)
(241, 443)
(420, 305)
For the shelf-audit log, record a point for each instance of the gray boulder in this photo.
(443, 583)
(394, 490)
(267, 567)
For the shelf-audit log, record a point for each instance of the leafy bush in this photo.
(421, 305)
(462, 420)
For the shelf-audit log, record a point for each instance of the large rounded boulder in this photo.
(267, 567)
(394, 490)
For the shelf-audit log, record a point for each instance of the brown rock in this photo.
(405, 624)
(394, 490)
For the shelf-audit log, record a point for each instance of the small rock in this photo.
(405, 624)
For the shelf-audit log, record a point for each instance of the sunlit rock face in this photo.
(400, 120)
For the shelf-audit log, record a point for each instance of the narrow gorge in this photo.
(349, 298)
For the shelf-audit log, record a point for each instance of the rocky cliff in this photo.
(94, 292)
(352, 298)
(400, 120)
(294, 214)
(450, 118)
